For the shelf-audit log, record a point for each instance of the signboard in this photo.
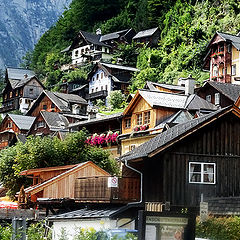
(113, 182)
(166, 226)
(203, 211)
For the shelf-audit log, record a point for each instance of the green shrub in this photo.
(222, 228)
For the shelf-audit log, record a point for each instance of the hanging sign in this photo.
(112, 182)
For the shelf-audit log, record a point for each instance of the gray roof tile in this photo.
(23, 122)
(166, 137)
(232, 38)
(18, 73)
(232, 91)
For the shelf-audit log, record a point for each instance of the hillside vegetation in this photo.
(186, 28)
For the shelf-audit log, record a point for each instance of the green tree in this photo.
(116, 99)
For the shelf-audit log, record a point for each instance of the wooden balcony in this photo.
(99, 94)
(95, 189)
(9, 105)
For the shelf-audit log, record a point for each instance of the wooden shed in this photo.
(63, 185)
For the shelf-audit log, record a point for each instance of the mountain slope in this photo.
(22, 22)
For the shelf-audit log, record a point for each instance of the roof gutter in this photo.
(141, 185)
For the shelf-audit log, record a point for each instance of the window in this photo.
(45, 107)
(9, 125)
(101, 75)
(97, 76)
(202, 173)
(229, 48)
(209, 98)
(147, 117)
(131, 147)
(41, 124)
(234, 69)
(92, 90)
(128, 123)
(105, 87)
(76, 53)
(10, 95)
(215, 71)
(101, 88)
(217, 98)
(139, 119)
(96, 89)
(30, 90)
(52, 105)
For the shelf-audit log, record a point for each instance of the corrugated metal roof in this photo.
(96, 120)
(145, 33)
(168, 136)
(116, 66)
(113, 35)
(87, 213)
(23, 122)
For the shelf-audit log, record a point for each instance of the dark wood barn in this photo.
(197, 158)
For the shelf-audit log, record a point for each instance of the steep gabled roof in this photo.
(61, 100)
(22, 122)
(19, 73)
(55, 121)
(145, 33)
(172, 100)
(168, 138)
(92, 38)
(235, 40)
(121, 67)
(231, 91)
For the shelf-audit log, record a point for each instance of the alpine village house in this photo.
(177, 145)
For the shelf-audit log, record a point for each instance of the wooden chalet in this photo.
(163, 87)
(13, 128)
(102, 125)
(82, 183)
(195, 160)
(148, 37)
(72, 106)
(222, 59)
(218, 93)
(48, 123)
(22, 87)
(149, 112)
(106, 77)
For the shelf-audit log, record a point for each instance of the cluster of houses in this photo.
(178, 145)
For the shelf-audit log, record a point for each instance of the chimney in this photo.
(189, 85)
(25, 75)
(99, 31)
(238, 35)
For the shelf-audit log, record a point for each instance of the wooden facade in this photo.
(63, 185)
(167, 173)
(45, 104)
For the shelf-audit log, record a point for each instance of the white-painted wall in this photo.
(77, 54)
(24, 104)
(99, 224)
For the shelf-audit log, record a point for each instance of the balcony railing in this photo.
(96, 189)
(8, 106)
(99, 94)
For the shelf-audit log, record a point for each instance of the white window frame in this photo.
(202, 172)
(217, 98)
(234, 69)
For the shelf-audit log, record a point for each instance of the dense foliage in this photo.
(222, 228)
(186, 28)
(40, 152)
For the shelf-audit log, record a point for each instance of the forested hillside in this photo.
(186, 27)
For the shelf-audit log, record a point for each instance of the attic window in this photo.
(209, 98)
(9, 125)
(31, 91)
(139, 119)
(200, 172)
(44, 107)
(217, 98)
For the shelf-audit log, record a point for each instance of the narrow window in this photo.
(209, 98)
(101, 88)
(76, 53)
(131, 147)
(106, 87)
(128, 123)
(147, 117)
(30, 91)
(229, 48)
(217, 98)
(101, 75)
(44, 107)
(139, 119)
(202, 173)
(52, 105)
(234, 69)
